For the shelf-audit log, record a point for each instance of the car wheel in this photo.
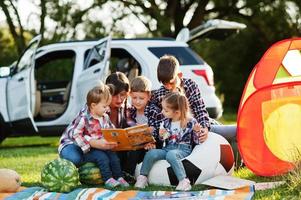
(2, 136)
(3, 131)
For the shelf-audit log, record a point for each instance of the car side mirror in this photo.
(4, 71)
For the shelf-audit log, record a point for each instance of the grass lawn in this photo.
(28, 155)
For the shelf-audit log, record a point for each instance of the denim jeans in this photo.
(107, 161)
(173, 153)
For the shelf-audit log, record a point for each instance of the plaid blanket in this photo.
(38, 193)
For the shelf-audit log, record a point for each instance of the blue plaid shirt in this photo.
(193, 94)
(182, 136)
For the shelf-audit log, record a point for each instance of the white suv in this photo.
(42, 92)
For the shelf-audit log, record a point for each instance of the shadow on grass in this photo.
(31, 184)
(26, 145)
(148, 188)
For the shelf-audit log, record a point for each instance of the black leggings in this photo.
(129, 160)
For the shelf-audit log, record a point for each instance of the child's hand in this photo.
(102, 144)
(203, 134)
(163, 133)
(197, 127)
(149, 146)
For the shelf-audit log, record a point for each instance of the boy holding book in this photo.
(140, 94)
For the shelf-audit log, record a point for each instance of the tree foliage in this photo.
(267, 21)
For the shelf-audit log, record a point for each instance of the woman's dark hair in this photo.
(120, 82)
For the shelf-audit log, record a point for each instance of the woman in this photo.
(118, 105)
(118, 116)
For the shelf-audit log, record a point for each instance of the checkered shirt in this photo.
(84, 128)
(193, 94)
(153, 115)
(182, 136)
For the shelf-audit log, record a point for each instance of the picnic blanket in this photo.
(39, 193)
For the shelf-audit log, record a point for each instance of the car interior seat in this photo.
(38, 103)
(37, 107)
(51, 109)
(129, 67)
(134, 72)
(123, 65)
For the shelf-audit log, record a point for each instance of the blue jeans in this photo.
(227, 131)
(173, 153)
(107, 161)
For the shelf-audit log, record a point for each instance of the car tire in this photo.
(3, 130)
(2, 136)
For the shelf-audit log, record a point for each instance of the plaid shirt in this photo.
(84, 128)
(182, 136)
(153, 115)
(193, 94)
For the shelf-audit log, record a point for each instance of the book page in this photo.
(131, 138)
(228, 182)
(140, 137)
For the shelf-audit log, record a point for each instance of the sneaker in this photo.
(123, 182)
(111, 183)
(184, 185)
(141, 182)
(129, 178)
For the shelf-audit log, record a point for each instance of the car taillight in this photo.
(207, 76)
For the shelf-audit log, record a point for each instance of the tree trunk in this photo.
(42, 18)
(19, 40)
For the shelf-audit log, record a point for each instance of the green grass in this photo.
(28, 155)
(228, 118)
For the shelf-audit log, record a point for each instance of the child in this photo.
(178, 130)
(118, 116)
(83, 141)
(168, 73)
(140, 97)
(140, 92)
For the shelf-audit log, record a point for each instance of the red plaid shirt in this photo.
(84, 128)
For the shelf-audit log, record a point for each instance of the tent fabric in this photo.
(269, 115)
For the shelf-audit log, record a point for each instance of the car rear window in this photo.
(184, 54)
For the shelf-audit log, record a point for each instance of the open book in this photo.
(131, 138)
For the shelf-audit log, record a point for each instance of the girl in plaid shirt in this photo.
(83, 141)
(179, 131)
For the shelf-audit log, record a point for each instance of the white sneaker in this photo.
(141, 182)
(184, 185)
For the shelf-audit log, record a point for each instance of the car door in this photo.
(96, 68)
(21, 88)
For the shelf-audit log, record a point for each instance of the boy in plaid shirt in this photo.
(82, 141)
(140, 94)
(169, 75)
